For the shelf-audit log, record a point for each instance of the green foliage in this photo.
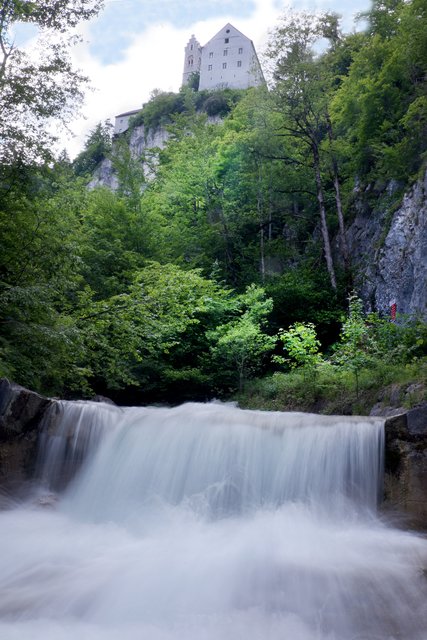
(97, 147)
(332, 391)
(356, 348)
(367, 340)
(39, 276)
(159, 110)
(164, 108)
(301, 344)
(380, 106)
(403, 341)
(36, 88)
(142, 325)
(239, 345)
(115, 239)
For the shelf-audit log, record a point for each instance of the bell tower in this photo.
(192, 59)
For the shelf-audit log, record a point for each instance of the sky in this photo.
(135, 46)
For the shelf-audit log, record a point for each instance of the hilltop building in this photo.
(228, 60)
(121, 122)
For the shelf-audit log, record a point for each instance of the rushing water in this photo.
(206, 522)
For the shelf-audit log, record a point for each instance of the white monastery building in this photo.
(121, 122)
(228, 60)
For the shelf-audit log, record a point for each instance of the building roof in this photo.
(129, 113)
(228, 25)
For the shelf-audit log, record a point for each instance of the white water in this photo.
(206, 522)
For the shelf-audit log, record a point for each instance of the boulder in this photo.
(405, 481)
(21, 412)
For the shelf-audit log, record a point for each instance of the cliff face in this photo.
(143, 142)
(144, 145)
(21, 412)
(389, 254)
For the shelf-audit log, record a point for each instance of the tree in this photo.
(129, 336)
(40, 345)
(355, 349)
(35, 89)
(97, 147)
(301, 344)
(380, 108)
(238, 346)
(299, 88)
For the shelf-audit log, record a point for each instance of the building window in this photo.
(226, 52)
(191, 47)
(210, 54)
(239, 63)
(209, 67)
(227, 40)
(240, 49)
(224, 65)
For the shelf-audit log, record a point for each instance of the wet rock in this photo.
(47, 501)
(406, 464)
(21, 412)
(104, 399)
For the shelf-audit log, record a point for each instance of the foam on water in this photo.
(206, 522)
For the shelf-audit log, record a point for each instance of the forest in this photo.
(220, 264)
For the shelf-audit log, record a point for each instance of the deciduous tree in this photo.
(36, 88)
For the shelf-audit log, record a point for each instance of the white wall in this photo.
(229, 60)
(121, 122)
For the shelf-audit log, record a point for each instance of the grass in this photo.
(332, 390)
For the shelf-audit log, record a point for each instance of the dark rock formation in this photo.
(406, 464)
(21, 412)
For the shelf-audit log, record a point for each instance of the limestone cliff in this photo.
(142, 142)
(389, 252)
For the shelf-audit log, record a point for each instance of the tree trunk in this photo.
(322, 211)
(261, 227)
(343, 239)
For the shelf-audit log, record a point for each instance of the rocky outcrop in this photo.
(21, 412)
(389, 252)
(405, 481)
(104, 176)
(144, 145)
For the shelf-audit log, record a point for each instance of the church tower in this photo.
(192, 60)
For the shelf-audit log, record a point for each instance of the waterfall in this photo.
(211, 523)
